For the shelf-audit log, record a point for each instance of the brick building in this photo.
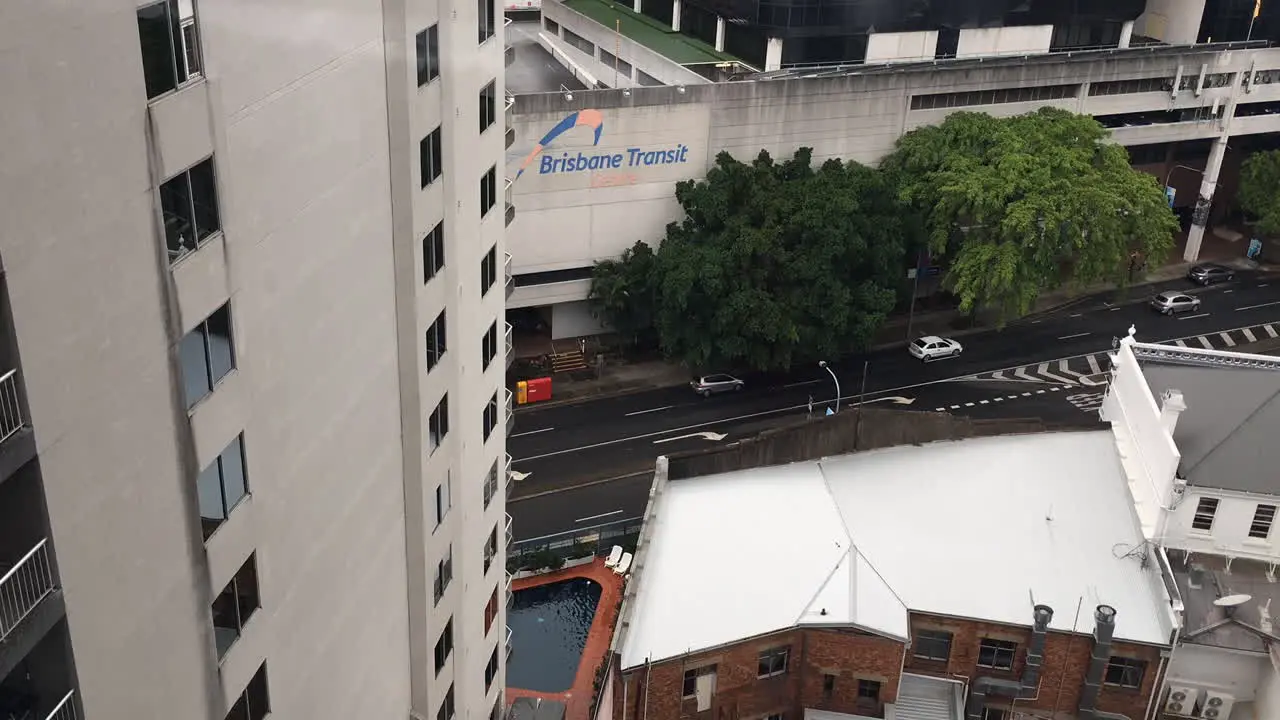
(949, 581)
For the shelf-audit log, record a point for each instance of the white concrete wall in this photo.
(899, 47)
(573, 319)
(1230, 531)
(1029, 39)
(1267, 698)
(1176, 22)
(1236, 673)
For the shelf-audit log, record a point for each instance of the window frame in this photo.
(927, 637)
(443, 649)
(1263, 520)
(207, 527)
(489, 346)
(490, 418)
(768, 665)
(243, 606)
(427, 54)
(436, 338)
(488, 271)
(1205, 514)
(179, 70)
(490, 548)
(438, 425)
(177, 250)
(689, 684)
(202, 331)
(491, 670)
(486, 25)
(245, 704)
(490, 484)
(443, 576)
(433, 255)
(488, 105)
(443, 499)
(1124, 668)
(998, 649)
(447, 711)
(488, 191)
(431, 156)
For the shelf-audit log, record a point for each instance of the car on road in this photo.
(709, 385)
(1171, 303)
(932, 347)
(1209, 274)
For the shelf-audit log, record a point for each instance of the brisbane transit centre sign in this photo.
(609, 169)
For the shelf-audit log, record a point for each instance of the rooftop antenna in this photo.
(1231, 602)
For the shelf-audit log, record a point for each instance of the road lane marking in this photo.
(1248, 334)
(1113, 309)
(1077, 315)
(1039, 392)
(1227, 339)
(953, 407)
(806, 382)
(1270, 331)
(1068, 337)
(642, 412)
(1224, 292)
(939, 409)
(1180, 343)
(983, 402)
(530, 432)
(968, 404)
(1093, 364)
(1253, 307)
(597, 517)
(1204, 342)
(1021, 373)
(997, 399)
(1043, 371)
(1192, 317)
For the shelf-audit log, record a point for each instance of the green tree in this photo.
(623, 292)
(1259, 193)
(1025, 204)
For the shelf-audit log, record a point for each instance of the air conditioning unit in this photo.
(1217, 706)
(1181, 700)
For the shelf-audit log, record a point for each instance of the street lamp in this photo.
(823, 364)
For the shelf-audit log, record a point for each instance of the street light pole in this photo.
(823, 364)
(915, 290)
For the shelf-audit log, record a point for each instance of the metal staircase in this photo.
(568, 361)
(922, 698)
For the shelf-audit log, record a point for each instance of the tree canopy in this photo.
(1259, 193)
(1021, 205)
(774, 263)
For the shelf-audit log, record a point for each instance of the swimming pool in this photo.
(549, 626)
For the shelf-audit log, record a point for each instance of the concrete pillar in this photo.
(675, 15)
(1126, 34)
(719, 33)
(635, 6)
(773, 55)
(1209, 181)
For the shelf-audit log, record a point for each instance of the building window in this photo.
(1205, 510)
(868, 691)
(1126, 87)
(430, 157)
(828, 686)
(491, 670)
(489, 345)
(488, 105)
(235, 605)
(444, 574)
(490, 416)
(1263, 517)
(491, 611)
(484, 19)
(689, 689)
(488, 190)
(1124, 672)
(436, 341)
(488, 270)
(996, 654)
(1212, 80)
(1042, 93)
(255, 702)
(490, 548)
(446, 706)
(490, 484)
(170, 54)
(773, 662)
(207, 355)
(221, 486)
(552, 26)
(189, 206)
(586, 46)
(444, 646)
(776, 716)
(444, 498)
(613, 62)
(428, 51)
(433, 252)
(932, 645)
(438, 424)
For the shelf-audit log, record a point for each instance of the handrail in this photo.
(11, 420)
(24, 586)
(64, 710)
(508, 529)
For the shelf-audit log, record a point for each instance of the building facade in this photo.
(253, 418)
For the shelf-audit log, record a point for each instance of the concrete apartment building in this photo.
(252, 408)
(1022, 588)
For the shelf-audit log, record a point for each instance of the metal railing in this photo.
(508, 277)
(510, 136)
(508, 481)
(510, 594)
(24, 586)
(595, 539)
(511, 346)
(10, 409)
(65, 709)
(511, 208)
(511, 416)
(509, 55)
(508, 529)
(507, 641)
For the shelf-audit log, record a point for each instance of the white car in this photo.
(932, 347)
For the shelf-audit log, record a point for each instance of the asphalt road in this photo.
(561, 447)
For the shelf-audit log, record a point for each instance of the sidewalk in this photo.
(619, 377)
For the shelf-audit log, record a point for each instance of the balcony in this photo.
(507, 642)
(508, 279)
(511, 354)
(507, 529)
(507, 481)
(511, 416)
(17, 444)
(507, 110)
(511, 209)
(65, 709)
(23, 587)
(510, 593)
(511, 136)
(510, 55)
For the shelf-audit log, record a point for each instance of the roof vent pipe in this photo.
(1041, 615)
(1104, 618)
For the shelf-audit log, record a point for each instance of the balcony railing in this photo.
(507, 641)
(507, 108)
(511, 346)
(510, 55)
(511, 208)
(511, 416)
(511, 136)
(24, 586)
(10, 410)
(507, 481)
(65, 709)
(507, 529)
(510, 595)
(508, 279)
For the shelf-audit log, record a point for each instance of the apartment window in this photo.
(1205, 510)
(207, 355)
(444, 646)
(438, 423)
(170, 52)
(490, 548)
(828, 686)
(1124, 672)
(488, 190)
(446, 706)
(489, 345)
(488, 270)
(436, 341)
(430, 157)
(1263, 517)
(488, 105)
(255, 702)
(189, 206)
(689, 689)
(444, 498)
(491, 611)
(490, 484)
(444, 574)
(490, 416)
(221, 486)
(484, 18)
(932, 645)
(996, 654)
(491, 670)
(428, 51)
(868, 691)
(433, 252)
(235, 605)
(773, 662)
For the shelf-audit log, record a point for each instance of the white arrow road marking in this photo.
(1248, 335)
(1094, 369)
(998, 375)
(1270, 330)
(1227, 339)
(1043, 371)
(1021, 373)
(518, 476)
(1204, 341)
(707, 435)
(1180, 343)
(1080, 378)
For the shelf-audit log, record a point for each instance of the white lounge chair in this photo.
(615, 557)
(624, 564)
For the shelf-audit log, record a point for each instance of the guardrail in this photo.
(510, 344)
(507, 641)
(508, 277)
(511, 415)
(508, 482)
(595, 539)
(510, 594)
(508, 529)
(11, 420)
(24, 586)
(511, 208)
(65, 709)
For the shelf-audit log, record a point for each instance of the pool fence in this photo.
(580, 542)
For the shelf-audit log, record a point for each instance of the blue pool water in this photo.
(549, 626)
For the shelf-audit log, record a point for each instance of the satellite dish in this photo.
(1231, 601)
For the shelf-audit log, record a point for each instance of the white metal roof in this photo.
(979, 528)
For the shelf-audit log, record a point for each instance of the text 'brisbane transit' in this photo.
(629, 158)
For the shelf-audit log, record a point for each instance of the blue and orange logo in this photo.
(585, 118)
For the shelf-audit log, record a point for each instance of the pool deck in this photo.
(577, 700)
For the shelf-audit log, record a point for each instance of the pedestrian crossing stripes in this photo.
(1090, 370)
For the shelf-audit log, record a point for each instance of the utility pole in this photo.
(915, 287)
